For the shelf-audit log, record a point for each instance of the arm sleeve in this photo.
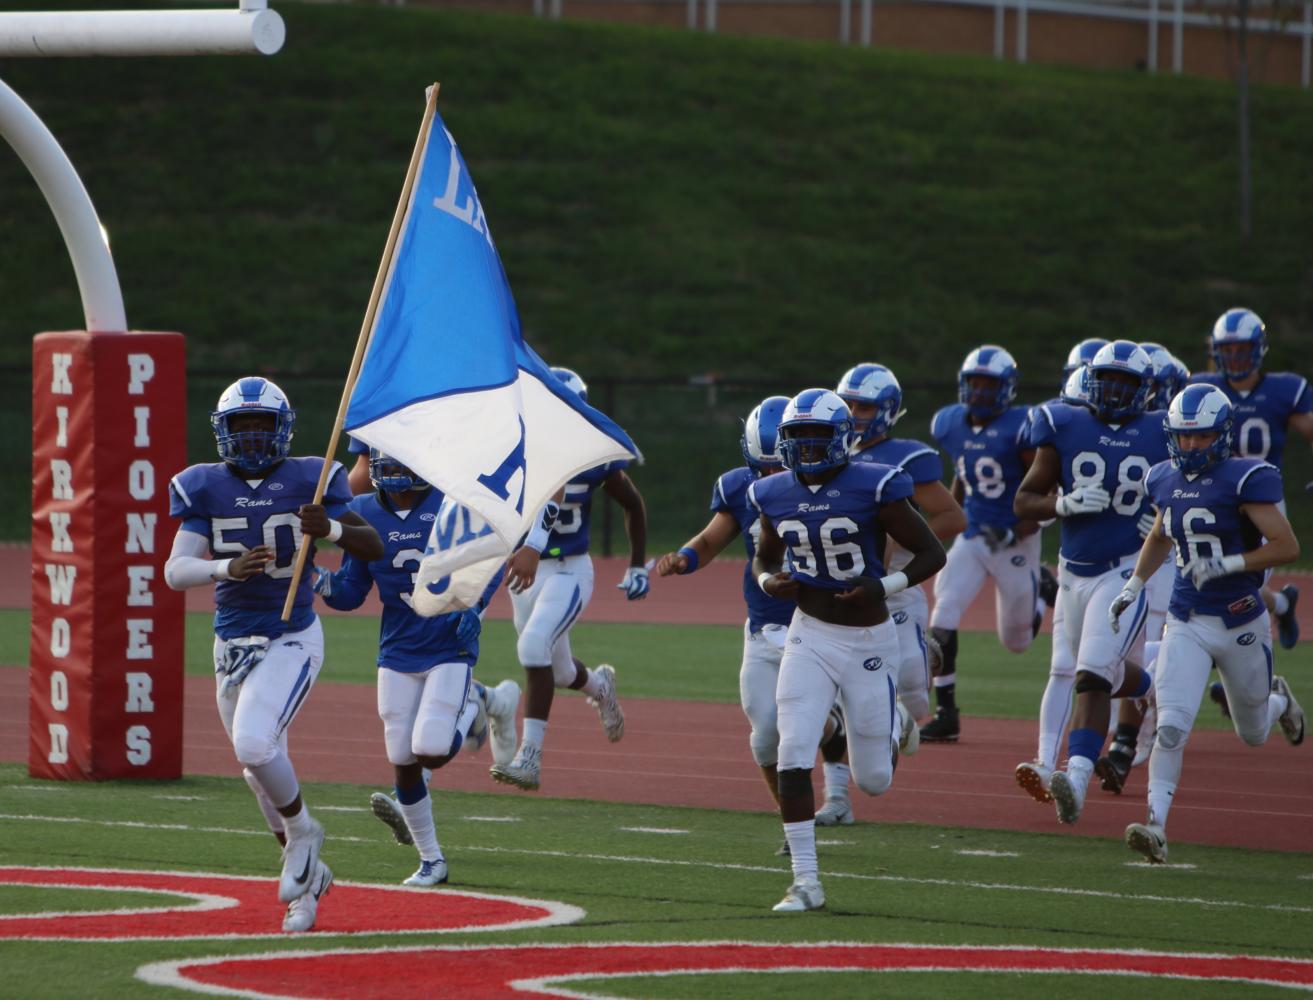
(351, 585)
(187, 565)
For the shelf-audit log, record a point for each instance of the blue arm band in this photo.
(692, 558)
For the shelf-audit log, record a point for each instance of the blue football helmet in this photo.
(873, 385)
(571, 378)
(1077, 390)
(1082, 354)
(1120, 399)
(1199, 408)
(1239, 326)
(1169, 375)
(253, 451)
(994, 363)
(387, 474)
(816, 432)
(760, 441)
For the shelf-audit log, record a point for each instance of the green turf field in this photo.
(717, 881)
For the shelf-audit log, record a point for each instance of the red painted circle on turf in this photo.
(250, 908)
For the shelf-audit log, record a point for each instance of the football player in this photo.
(1220, 516)
(1100, 457)
(987, 440)
(428, 700)
(550, 578)
(768, 617)
(875, 401)
(242, 522)
(831, 516)
(1267, 407)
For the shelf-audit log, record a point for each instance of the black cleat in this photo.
(1048, 586)
(1218, 694)
(1288, 624)
(1113, 769)
(943, 728)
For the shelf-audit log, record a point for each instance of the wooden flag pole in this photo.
(366, 326)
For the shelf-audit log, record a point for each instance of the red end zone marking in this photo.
(235, 906)
(482, 972)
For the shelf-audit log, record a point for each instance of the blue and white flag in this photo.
(449, 388)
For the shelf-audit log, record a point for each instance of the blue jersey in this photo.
(1202, 517)
(570, 535)
(1263, 413)
(916, 458)
(217, 503)
(731, 495)
(406, 642)
(987, 460)
(1117, 457)
(831, 531)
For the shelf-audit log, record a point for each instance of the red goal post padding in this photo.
(109, 427)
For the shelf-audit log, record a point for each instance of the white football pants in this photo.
(758, 676)
(910, 612)
(1015, 572)
(545, 612)
(422, 712)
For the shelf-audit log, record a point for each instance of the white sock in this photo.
(1280, 605)
(1164, 776)
(836, 782)
(1079, 770)
(1276, 707)
(464, 722)
(802, 848)
(298, 825)
(1054, 714)
(419, 821)
(271, 815)
(943, 680)
(534, 732)
(593, 686)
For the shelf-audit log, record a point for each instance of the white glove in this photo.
(1083, 500)
(1129, 595)
(635, 583)
(1145, 524)
(1200, 569)
(240, 657)
(323, 584)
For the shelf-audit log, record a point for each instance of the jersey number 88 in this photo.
(1088, 468)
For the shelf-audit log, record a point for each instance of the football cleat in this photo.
(525, 771)
(301, 912)
(1288, 624)
(613, 719)
(1113, 769)
(1148, 839)
(805, 894)
(943, 728)
(784, 851)
(1067, 799)
(1292, 719)
(478, 733)
(502, 701)
(909, 736)
(1034, 778)
(835, 812)
(1048, 586)
(300, 857)
(1217, 693)
(429, 873)
(385, 808)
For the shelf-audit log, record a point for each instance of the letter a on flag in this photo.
(449, 388)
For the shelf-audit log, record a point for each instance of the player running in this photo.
(242, 522)
(1221, 517)
(427, 698)
(550, 578)
(832, 516)
(987, 441)
(1266, 407)
(1100, 457)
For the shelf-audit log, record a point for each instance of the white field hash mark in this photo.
(986, 854)
(490, 819)
(773, 871)
(651, 829)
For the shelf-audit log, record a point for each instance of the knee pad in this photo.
(795, 783)
(877, 782)
(534, 647)
(765, 744)
(436, 737)
(1017, 640)
(1254, 739)
(253, 751)
(916, 701)
(1086, 682)
(1170, 737)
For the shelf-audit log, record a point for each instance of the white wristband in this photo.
(1233, 564)
(334, 530)
(221, 569)
(761, 581)
(894, 583)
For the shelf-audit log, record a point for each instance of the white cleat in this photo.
(805, 894)
(909, 737)
(835, 812)
(1292, 719)
(1148, 839)
(525, 771)
(429, 873)
(478, 734)
(503, 700)
(300, 857)
(385, 808)
(1034, 777)
(613, 719)
(1066, 798)
(301, 912)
